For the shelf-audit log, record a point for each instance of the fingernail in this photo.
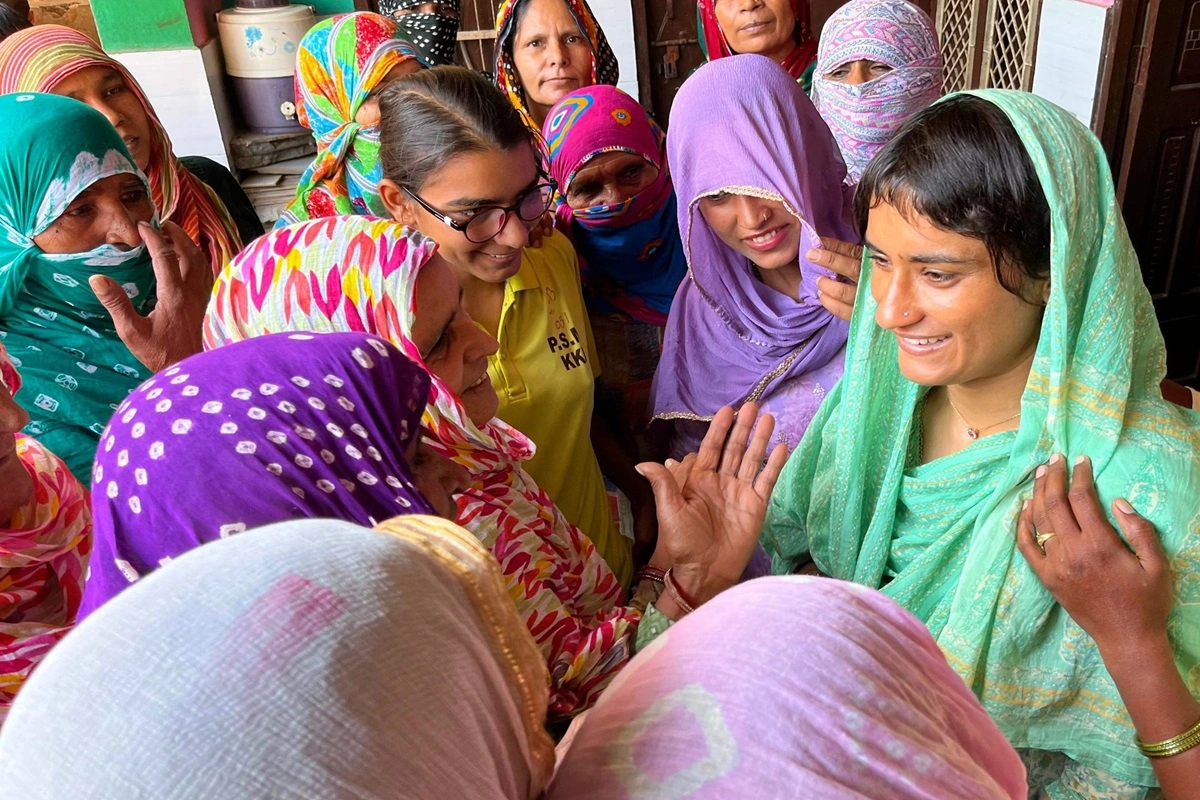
(638, 468)
(670, 462)
(1123, 506)
(1081, 460)
(1041, 471)
(1057, 457)
(1025, 505)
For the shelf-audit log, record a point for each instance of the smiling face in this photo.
(551, 55)
(938, 293)
(465, 184)
(609, 179)
(761, 230)
(104, 89)
(16, 484)
(766, 27)
(453, 347)
(856, 73)
(107, 212)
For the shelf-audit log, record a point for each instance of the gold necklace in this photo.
(972, 431)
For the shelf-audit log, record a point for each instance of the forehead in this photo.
(543, 14)
(608, 164)
(904, 233)
(87, 79)
(493, 175)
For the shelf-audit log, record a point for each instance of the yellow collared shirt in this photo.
(545, 376)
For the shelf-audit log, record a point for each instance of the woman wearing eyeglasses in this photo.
(460, 167)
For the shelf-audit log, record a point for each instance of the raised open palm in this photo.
(711, 505)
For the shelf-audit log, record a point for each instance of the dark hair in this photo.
(519, 12)
(11, 22)
(961, 165)
(431, 116)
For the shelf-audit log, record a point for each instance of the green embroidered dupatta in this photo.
(846, 500)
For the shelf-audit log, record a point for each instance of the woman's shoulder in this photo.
(555, 257)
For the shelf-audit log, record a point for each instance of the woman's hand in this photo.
(846, 260)
(172, 331)
(711, 505)
(1120, 595)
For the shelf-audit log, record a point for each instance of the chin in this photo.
(482, 410)
(922, 373)
(486, 270)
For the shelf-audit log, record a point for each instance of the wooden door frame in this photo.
(1121, 88)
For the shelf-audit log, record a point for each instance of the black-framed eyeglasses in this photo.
(486, 222)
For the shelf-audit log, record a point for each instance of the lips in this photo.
(921, 345)
(477, 383)
(767, 240)
(755, 27)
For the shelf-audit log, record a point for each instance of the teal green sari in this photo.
(941, 537)
(75, 369)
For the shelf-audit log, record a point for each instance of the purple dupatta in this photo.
(742, 125)
(286, 426)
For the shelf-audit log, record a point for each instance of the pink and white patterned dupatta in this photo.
(866, 116)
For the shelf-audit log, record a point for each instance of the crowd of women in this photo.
(816, 445)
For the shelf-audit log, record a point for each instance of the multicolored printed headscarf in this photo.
(281, 427)
(341, 61)
(350, 274)
(44, 550)
(75, 366)
(799, 64)
(604, 64)
(360, 274)
(741, 126)
(37, 59)
(865, 117)
(631, 256)
(434, 35)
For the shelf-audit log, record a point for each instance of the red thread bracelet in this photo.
(676, 593)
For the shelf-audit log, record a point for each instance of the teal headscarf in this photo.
(945, 531)
(75, 369)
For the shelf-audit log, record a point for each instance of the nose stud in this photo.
(905, 314)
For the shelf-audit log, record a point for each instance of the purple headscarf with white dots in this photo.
(279, 427)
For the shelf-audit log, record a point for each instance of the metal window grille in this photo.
(988, 43)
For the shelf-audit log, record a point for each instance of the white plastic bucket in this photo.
(262, 43)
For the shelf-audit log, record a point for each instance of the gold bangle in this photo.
(1173, 746)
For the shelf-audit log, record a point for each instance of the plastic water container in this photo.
(259, 39)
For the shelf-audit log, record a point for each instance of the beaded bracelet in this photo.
(1173, 746)
(676, 593)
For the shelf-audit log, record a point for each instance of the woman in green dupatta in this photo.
(913, 474)
(79, 267)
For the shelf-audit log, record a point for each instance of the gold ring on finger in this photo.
(1042, 538)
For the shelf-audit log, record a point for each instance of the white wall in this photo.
(187, 93)
(1070, 46)
(616, 19)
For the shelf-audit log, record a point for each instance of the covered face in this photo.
(900, 43)
(610, 159)
(69, 208)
